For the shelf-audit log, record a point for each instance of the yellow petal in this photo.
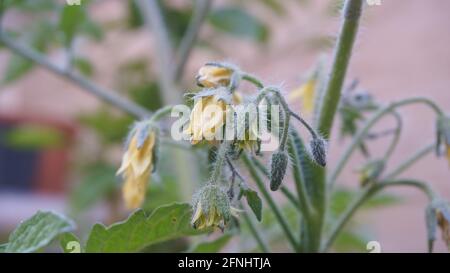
(197, 214)
(134, 190)
(307, 93)
(126, 161)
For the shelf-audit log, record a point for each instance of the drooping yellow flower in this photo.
(307, 93)
(443, 219)
(211, 207)
(137, 165)
(207, 116)
(247, 128)
(214, 75)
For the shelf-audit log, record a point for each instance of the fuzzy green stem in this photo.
(286, 191)
(252, 79)
(256, 234)
(304, 200)
(220, 160)
(397, 134)
(369, 124)
(410, 161)
(270, 201)
(342, 54)
(160, 113)
(365, 194)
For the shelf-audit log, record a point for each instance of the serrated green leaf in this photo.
(238, 22)
(254, 202)
(37, 232)
(138, 231)
(70, 243)
(213, 246)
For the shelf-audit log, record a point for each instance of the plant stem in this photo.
(252, 79)
(255, 233)
(286, 191)
(362, 196)
(102, 93)
(365, 194)
(220, 160)
(342, 54)
(304, 200)
(410, 161)
(187, 43)
(397, 134)
(160, 113)
(272, 204)
(369, 124)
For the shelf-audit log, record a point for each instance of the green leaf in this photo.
(99, 181)
(110, 128)
(138, 231)
(213, 246)
(70, 20)
(70, 243)
(254, 202)
(17, 67)
(84, 66)
(349, 241)
(37, 232)
(238, 22)
(34, 137)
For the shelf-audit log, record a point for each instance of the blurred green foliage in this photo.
(31, 136)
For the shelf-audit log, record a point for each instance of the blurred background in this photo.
(60, 146)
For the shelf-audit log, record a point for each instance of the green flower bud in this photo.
(211, 207)
(278, 166)
(319, 151)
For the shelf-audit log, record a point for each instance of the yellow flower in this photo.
(443, 219)
(247, 129)
(137, 164)
(211, 208)
(214, 75)
(307, 93)
(207, 116)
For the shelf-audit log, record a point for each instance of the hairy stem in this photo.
(369, 124)
(342, 54)
(256, 234)
(365, 194)
(270, 201)
(410, 161)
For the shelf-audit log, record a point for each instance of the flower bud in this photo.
(319, 151)
(138, 162)
(438, 214)
(213, 75)
(211, 207)
(278, 166)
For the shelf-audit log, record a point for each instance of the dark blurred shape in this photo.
(33, 153)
